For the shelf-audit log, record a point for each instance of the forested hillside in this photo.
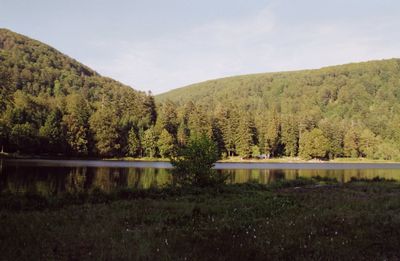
(349, 110)
(50, 103)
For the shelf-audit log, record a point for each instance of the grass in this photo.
(291, 220)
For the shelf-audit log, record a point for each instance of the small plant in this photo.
(194, 164)
(299, 182)
(325, 180)
(374, 179)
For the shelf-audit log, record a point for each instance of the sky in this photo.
(159, 45)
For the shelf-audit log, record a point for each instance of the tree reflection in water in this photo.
(53, 180)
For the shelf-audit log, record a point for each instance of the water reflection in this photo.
(266, 176)
(56, 180)
(53, 180)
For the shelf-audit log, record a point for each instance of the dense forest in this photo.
(349, 110)
(53, 105)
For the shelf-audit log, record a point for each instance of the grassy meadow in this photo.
(305, 219)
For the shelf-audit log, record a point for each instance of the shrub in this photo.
(194, 164)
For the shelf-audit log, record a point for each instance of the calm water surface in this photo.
(51, 177)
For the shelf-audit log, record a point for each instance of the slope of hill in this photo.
(51, 103)
(363, 98)
(260, 91)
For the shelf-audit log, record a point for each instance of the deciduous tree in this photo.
(313, 144)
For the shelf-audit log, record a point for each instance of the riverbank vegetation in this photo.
(233, 159)
(299, 219)
(51, 104)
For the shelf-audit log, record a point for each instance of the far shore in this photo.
(299, 160)
(228, 160)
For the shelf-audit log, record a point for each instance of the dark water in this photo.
(51, 177)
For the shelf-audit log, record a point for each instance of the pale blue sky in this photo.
(158, 45)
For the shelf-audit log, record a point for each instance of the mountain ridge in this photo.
(162, 96)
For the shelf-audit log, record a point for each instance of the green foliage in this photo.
(182, 134)
(368, 143)
(76, 122)
(244, 138)
(53, 132)
(39, 86)
(193, 164)
(7, 87)
(334, 132)
(387, 151)
(227, 121)
(165, 144)
(199, 122)
(134, 145)
(255, 151)
(104, 125)
(4, 133)
(23, 137)
(313, 144)
(357, 107)
(334, 99)
(351, 143)
(168, 118)
(272, 135)
(149, 142)
(290, 136)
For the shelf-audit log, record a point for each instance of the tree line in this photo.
(349, 110)
(51, 104)
(240, 133)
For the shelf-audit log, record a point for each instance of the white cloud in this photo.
(252, 44)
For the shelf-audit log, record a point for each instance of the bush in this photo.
(193, 164)
(286, 183)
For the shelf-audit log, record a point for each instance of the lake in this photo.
(52, 177)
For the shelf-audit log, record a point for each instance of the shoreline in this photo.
(230, 160)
